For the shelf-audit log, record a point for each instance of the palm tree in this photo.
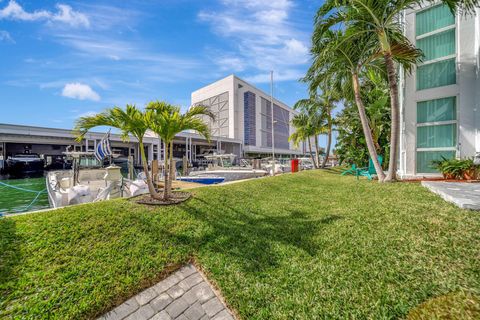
(303, 131)
(380, 18)
(329, 99)
(339, 63)
(167, 121)
(319, 109)
(462, 6)
(130, 121)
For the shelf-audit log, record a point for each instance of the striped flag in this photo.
(103, 149)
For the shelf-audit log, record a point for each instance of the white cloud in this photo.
(86, 114)
(285, 75)
(232, 64)
(71, 17)
(264, 37)
(65, 14)
(5, 36)
(80, 91)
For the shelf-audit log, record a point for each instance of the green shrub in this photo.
(455, 168)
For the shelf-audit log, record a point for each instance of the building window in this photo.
(249, 127)
(438, 45)
(434, 18)
(436, 132)
(266, 122)
(281, 127)
(281, 118)
(435, 30)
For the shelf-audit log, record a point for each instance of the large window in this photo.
(249, 118)
(435, 36)
(434, 18)
(266, 128)
(436, 132)
(281, 118)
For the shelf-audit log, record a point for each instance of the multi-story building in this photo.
(441, 97)
(243, 126)
(243, 112)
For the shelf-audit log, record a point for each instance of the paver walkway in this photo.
(185, 295)
(464, 195)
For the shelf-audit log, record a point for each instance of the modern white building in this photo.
(440, 99)
(243, 112)
(243, 126)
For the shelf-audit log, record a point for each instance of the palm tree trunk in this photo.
(317, 150)
(311, 153)
(166, 170)
(172, 170)
(366, 128)
(329, 142)
(151, 188)
(395, 118)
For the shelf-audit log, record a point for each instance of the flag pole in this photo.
(110, 147)
(273, 123)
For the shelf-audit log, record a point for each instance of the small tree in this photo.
(130, 121)
(303, 131)
(166, 121)
(319, 109)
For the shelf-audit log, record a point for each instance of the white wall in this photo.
(216, 88)
(466, 90)
(236, 107)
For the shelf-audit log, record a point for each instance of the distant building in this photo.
(243, 112)
(440, 99)
(243, 126)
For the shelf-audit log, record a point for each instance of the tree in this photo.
(352, 149)
(130, 121)
(329, 98)
(319, 109)
(380, 18)
(462, 6)
(167, 121)
(303, 131)
(340, 61)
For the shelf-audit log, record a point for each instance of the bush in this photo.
(456, 168)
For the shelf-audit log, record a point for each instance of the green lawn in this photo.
(304, 246)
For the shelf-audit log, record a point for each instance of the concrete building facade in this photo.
(243, 112)
(440, 99)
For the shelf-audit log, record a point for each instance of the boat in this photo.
(221, 165)
(87, 182)
(202, 179)
(306, 163)
(22, 163)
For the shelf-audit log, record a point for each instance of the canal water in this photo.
(16, 199)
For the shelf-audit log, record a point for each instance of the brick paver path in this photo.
(185, 295)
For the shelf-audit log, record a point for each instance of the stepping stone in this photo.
(184, 295)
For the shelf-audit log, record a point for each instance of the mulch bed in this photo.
(176, 198)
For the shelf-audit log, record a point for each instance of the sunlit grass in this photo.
(305, 246)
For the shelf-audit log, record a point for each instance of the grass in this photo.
(304, 246)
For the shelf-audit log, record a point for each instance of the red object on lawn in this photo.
(294, 165)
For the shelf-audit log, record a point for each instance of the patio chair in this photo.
(353, 170)
(369, 171)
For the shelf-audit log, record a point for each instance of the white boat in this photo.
(83, 185)
(221, 165)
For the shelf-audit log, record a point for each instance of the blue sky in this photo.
(63, 59)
